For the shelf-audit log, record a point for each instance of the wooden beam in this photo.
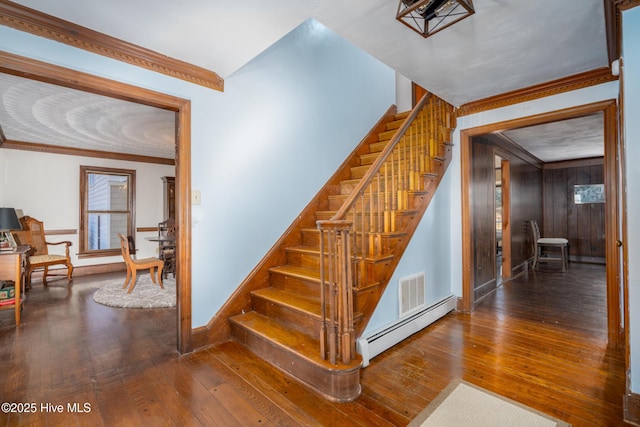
(40, 24)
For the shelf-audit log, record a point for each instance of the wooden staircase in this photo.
(280, 313)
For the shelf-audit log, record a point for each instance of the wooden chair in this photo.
(540, 243)
(132, 247)
(32, 234)
(167, 248)
(133, 265)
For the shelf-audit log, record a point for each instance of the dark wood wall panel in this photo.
(582, 224)
(526, 204)
(484, 223)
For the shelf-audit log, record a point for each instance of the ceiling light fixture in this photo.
(427, 17)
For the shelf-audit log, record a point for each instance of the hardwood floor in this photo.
(540, 340)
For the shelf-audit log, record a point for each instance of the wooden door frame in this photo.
(609, 110)
(505, 177)
(48, 73)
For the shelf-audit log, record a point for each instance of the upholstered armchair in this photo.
(32, 234)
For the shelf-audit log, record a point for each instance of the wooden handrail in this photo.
(382, 158)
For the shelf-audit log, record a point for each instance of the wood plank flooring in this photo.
(540, 340)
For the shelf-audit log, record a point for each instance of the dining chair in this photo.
(559, 248)
(154, 265)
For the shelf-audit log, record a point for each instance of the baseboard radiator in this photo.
(373, 345)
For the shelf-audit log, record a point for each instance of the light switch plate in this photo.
(195, 197)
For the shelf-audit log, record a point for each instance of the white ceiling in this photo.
(578, 138)
(36, 112)
(506, 45)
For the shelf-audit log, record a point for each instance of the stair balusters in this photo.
(356, 235)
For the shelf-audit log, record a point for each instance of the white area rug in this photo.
(464, 404)
(145, 294)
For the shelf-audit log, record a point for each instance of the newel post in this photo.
(337, 340)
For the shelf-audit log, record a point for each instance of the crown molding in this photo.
(555, 87)
(626, 4)
(576, 163)
(54, 149)
(40, 24)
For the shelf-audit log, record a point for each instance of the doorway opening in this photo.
(611, 167)
(41, 71)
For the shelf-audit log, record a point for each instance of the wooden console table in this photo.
(11, 268)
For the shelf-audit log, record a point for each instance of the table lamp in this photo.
(8, 221)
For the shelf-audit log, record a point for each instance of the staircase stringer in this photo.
(218, 329)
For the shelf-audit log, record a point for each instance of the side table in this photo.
(11, 268)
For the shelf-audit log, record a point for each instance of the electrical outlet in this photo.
(195, 197)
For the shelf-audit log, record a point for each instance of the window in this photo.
(106, 209)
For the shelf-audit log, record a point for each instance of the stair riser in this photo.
(306, 260)
(377, 147)
(311, 237)
(347, 187)
(386, 135)
(358, 172)
(368, 159)
(394, 125)
(335, 385)
(303, 322)
(295, 284)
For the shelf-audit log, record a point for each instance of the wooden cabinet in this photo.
(169, 192)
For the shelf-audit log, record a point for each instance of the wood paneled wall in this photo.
(582, 224)
(526, 204)
(484, 222)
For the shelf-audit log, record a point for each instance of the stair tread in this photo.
(308, 305)
(300, 343)
(307, 249)
(295, 271)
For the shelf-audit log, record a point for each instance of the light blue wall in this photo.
(631, 56)
(429, 253)
(261, 149)
(289, 118)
